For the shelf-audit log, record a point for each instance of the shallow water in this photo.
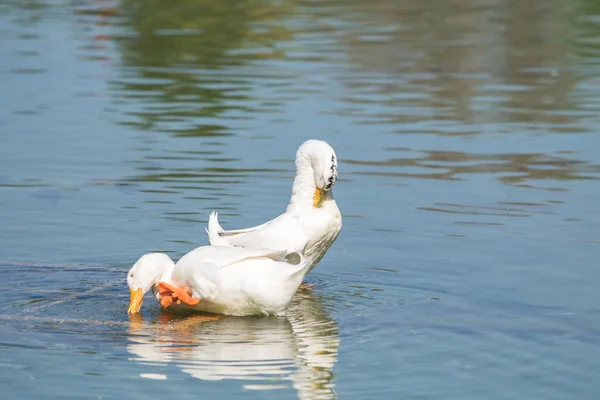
(467, 134)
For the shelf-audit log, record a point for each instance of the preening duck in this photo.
(312, 220)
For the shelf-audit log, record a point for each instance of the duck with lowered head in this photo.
(221, 280)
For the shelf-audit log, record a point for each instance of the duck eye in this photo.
(131, 275)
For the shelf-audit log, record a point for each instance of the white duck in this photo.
(312, 220)
(221, 280)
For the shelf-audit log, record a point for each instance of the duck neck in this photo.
(168, 271)
(303, 189)
(164, 274)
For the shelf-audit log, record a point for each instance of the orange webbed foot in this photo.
(166, 300)
(170, 294)
(306, 286)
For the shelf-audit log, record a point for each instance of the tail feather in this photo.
(213, 230)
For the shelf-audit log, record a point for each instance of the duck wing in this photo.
(283, 233)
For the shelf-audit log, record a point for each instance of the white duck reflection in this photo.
(268, 353)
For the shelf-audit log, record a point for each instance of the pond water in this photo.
(467, 133)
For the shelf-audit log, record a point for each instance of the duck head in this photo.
(150, 269)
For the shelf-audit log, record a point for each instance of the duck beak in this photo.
(135, 301)
(318, 197)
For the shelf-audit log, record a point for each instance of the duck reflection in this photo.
(268, 353)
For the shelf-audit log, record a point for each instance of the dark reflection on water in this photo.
(177, 62)
(461, 61)
(509, 168)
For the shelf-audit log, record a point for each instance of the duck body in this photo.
(312, 220)
(233, 281)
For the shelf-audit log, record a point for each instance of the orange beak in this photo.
(135, 301)
(318, 197)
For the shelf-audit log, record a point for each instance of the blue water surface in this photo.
(469, 159)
